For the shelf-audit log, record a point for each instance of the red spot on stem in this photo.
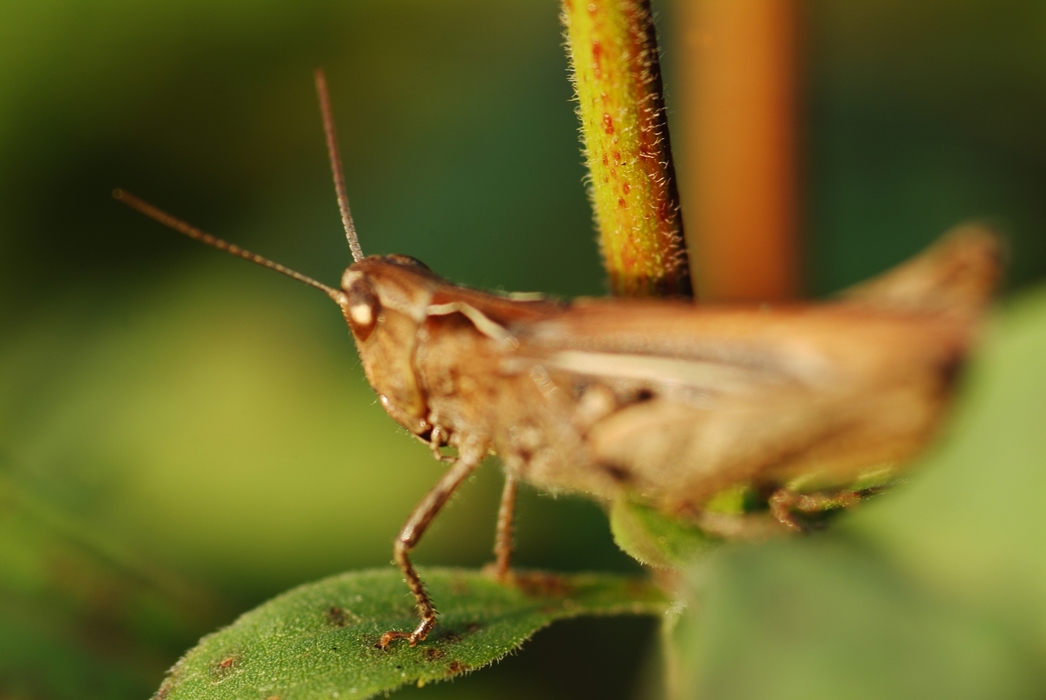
(608, 124)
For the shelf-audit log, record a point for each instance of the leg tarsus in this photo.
(784, 503)
(418, 635)
(781, 503)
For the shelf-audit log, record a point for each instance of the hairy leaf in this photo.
(655, 539)
(320, 640)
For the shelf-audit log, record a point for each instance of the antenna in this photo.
(196, 234)
(335, 158)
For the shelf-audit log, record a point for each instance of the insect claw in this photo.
(781, 504)
(418, 635)
(784, 505)
(387, 638)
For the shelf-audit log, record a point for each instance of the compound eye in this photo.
(407, 260)
(363, 305)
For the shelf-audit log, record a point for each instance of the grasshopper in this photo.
(664, 402)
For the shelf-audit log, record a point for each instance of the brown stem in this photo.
(738, 72)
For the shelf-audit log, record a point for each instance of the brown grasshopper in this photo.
(665, 402)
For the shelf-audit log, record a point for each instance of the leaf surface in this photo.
(654, 539)
(319, 640)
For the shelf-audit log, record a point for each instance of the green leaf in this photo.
(972, 520)
(654, 539)
(319, 640)
(828, 616)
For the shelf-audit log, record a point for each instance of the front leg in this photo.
(411, 534)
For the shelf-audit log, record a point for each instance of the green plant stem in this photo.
(617, 78)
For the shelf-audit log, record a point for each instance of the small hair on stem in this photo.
(196, 234)
(335, 157)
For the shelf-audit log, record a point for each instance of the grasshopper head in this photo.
(386, 302)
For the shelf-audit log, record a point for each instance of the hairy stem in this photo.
(617, 78)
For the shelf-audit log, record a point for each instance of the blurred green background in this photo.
(183, 435)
